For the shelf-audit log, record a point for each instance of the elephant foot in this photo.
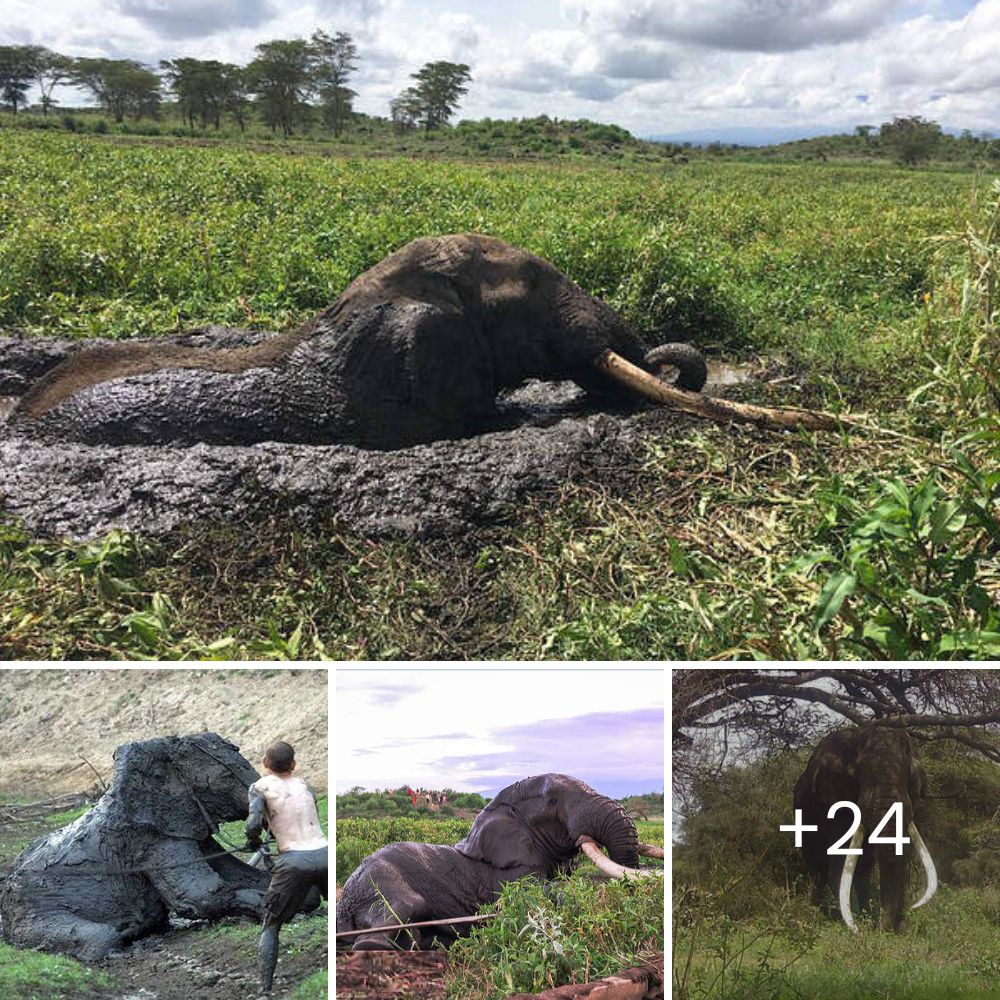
(373, 942)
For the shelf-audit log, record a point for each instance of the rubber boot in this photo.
(268, 955)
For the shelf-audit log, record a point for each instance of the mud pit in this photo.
(544, 434)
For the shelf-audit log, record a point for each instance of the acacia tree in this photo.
(755, 711)
(121, 86)
(406, 110)
(439, 88)
(17, 73)
(282, 80)
(911, 138)
(334, 60)
(50, 70)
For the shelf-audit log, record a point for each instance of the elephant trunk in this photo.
(613, 827)
(851, 861)
(692, 371)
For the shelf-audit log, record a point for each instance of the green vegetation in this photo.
(581, 927)
(575, 930)
(34, 975)
(744, 925)
(870, 288)
(372, 804)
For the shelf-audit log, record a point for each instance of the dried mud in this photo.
(545, 434)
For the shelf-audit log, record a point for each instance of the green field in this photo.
(869, 288)
(581, 927)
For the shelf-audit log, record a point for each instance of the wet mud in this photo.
(368, 975)
(544, 434)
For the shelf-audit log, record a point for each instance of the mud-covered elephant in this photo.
(872, 766)
(117, 872)
(533, 827)
(416, 349)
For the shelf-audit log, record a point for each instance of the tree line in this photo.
(287, 83)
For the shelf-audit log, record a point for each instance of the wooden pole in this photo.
(721, 410)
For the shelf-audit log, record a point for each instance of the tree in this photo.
(335, 59)
(51, 70)
(760, 711)
(913, 139)
(17, 73)
(440, 86)
(201, 87)
(406, 110)
(121, 86)
(282, 79)
(237, 101)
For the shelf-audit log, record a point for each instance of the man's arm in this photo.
(257, 817)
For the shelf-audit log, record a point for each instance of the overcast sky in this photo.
(654, 66)
(480, 730)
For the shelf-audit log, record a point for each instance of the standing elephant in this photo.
(872, 766)
(415, 350)
(533, 827)
(117, 872)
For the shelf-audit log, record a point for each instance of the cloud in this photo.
(195, 18)
(599, 747)
(742, 25)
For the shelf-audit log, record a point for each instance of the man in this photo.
(288, 807)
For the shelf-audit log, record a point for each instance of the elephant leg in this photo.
(190, 887)
(406, 906)
(892, 893)
(87, 940)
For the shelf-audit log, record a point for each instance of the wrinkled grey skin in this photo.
(63, 893)
(872, 766)
(415, 350)
(530, 828)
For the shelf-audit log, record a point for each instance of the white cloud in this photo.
(745, 25)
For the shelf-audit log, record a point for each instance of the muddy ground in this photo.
(375, 975)
(544, 434)
(196, 960)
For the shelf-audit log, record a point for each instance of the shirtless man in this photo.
(287, 805)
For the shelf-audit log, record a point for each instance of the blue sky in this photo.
(480, 730)
(654, 66)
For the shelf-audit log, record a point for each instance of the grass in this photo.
(34, 975)
(835, 275)
(949, 953)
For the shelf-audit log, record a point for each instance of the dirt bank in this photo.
(59, 727)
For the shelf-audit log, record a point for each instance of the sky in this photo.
(656, 67)
(480, 730)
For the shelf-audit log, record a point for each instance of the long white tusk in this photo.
(847, 877)
(589, 847)
(928, 863)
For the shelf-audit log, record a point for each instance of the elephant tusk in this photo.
(847, 877)
(722, 410)
(649, 851)
(928, 863)
(590, 847)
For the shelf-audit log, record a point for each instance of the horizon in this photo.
(655, 67)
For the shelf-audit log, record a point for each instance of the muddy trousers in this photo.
(293, 875)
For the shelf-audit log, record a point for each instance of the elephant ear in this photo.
(153, 790)
(918, 781)
(500, 838)
(832, 773)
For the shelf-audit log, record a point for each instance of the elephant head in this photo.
(874, 767)
(182, 786)
(542, 823)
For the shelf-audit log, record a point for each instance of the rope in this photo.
(420, 923)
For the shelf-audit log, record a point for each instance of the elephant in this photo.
(536, 826)
(416, 349)
(872, 766)
(145, 850)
